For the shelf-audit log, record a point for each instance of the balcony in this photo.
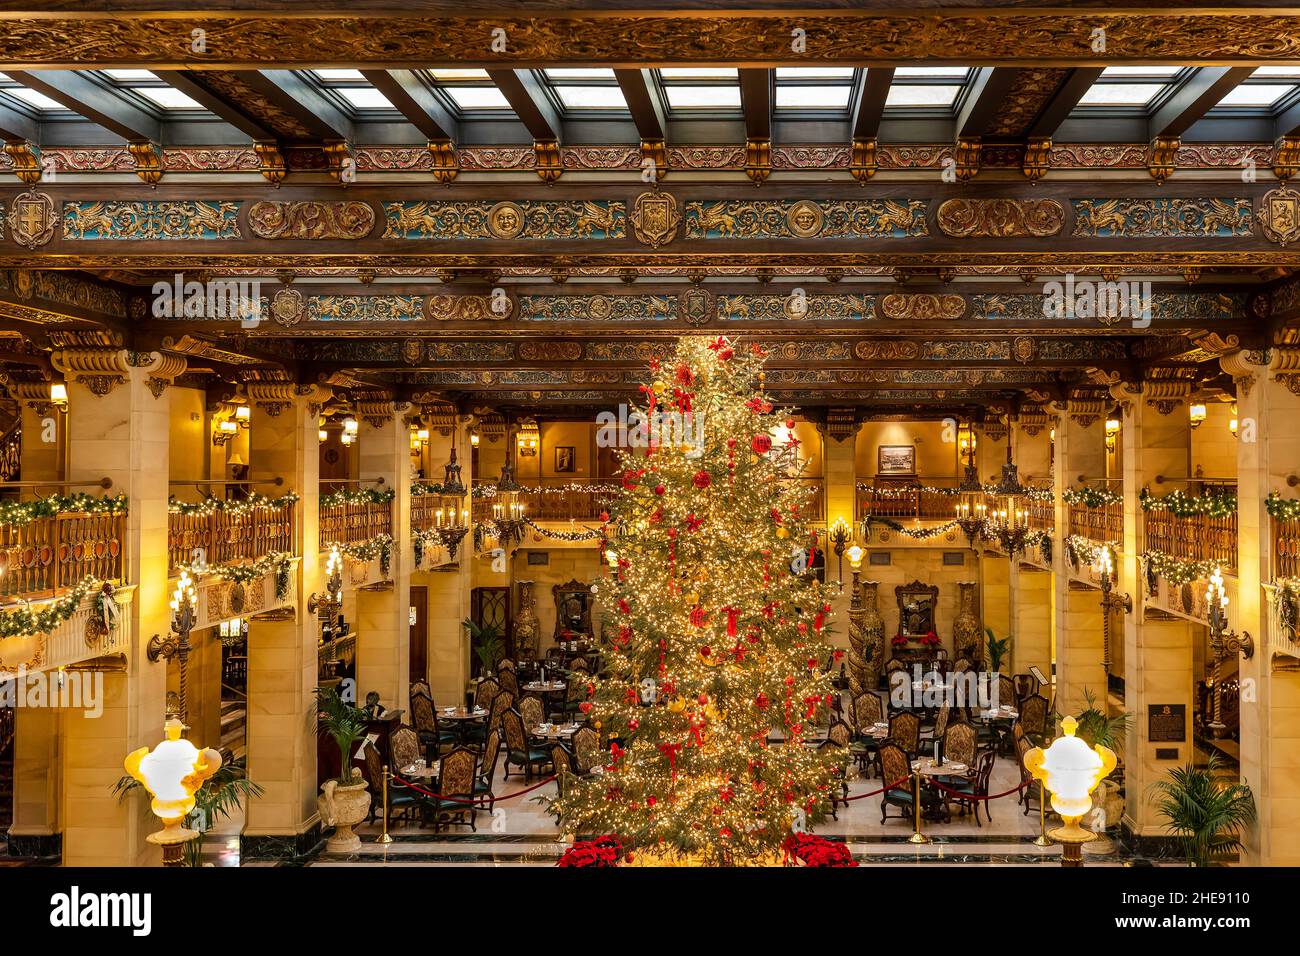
(555, 499)
(229, 531)
(353, 521)
(934, 499)
(1193, 528)
(49, 555)
(1096, 514)
(1286, 536)
(70, 643)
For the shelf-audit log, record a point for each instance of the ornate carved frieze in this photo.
(822, 219)
(1162, 218)
(550, 351)
(869, 350)
(626, 351)
(528, 219)
(468, 308)
(597, 308)
(310, 219)
(1000, 218)
(365, 308)
(841, 423)
(921, 306)
(148, 220)
(1087, 411)
(811, 308)
(967, 350)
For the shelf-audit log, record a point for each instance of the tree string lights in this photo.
(718, 633)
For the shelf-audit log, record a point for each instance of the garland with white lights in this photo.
(1177, 571)
(920, 534)
(1282, 509)
(586, 534)
(1182, 505)
(1091, 497)
(420, 489)
(280, 561)
(571, 488)
(380, 546)
(358, 496)
(24, 622)
(16, 514)
(1081, 550)
(233, 506)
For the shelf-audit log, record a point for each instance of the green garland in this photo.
(1176, 570)
(572, 488)
(1081, 550)
(25, 622)
(233, 506)
(244, 573)
(421, 488)
(17, 514)
(586, 534)
(380, 546)
(362, 496)
(1182, 505)
(1091, 497)
(920, 534)
(1282, 509)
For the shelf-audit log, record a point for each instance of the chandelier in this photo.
(452, 516)
(972, 512)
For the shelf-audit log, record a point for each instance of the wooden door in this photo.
(420, 633)
(491, 607)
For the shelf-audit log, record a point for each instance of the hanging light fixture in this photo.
(508, 510)
(453, 517)
(971, 509)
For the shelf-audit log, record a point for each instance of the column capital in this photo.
(1166, 394)
(1125, 394)
(1244, 365)
(1085, 412)
(35, 395)
(1285, 366)
(99, 369)
(1034, 418)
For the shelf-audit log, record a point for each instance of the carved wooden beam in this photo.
(1195, 97)
(528, 98)
(756, 101)
(869, 107)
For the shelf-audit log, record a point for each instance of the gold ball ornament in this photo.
(782, 533)
(676, 705)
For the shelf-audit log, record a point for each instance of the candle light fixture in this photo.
(1223, 642)
(184, 607)
(1105, 568)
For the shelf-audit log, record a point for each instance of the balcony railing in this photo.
(932, 498)
(49, 555)
(229, 535)
(1103, 524)
(1198, 537)
(556, 499)
(1042, 514)
(1286, 547)
(814, 510)
(354, 523)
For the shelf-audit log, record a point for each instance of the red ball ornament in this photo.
(761, 444)
(703, 698)
(705, 651)
(761, 701)
(585, 707)
(702, 480)
(633, 724)
(789, 423)
(659, 490)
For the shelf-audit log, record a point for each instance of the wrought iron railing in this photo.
(1103, 524)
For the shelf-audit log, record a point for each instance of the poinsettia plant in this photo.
(811, 850)
(603, 851)
(929, 639)
(899, 640)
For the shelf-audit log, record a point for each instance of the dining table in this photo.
(462, 718)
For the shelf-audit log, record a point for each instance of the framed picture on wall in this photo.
(896, 460)
(564, 460)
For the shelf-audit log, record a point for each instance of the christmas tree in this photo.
(718, 637)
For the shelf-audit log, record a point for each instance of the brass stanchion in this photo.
(1041, 839)
(917, 836)
(384, 836)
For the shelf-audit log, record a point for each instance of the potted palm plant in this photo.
(486, 642)
(344, 801)
(1208, 817)
(997, 649)
(219, 797)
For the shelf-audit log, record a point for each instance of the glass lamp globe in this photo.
(1071, 770)
(172, 772)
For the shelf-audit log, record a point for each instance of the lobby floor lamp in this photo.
(1071, 770)
(857, 628)
(840, 534)
(172, 773)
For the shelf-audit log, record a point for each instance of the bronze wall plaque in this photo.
(1167, 723)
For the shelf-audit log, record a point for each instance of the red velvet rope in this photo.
(969, 796)
(478, 801)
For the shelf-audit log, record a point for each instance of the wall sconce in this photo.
(321, 434)
(840, 535)
(1196, 415)
(1112, 431)
(1232, 422)
(350, 429)
(226, 429)
(59, 396)
(473, 439)
(527, 441)
(243, 415)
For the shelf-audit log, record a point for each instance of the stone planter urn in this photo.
(873, 634)
(343, 807)
(966, 630)
(1107, 797)
(527, 627)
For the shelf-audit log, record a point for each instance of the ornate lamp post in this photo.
(172, 773)
(184, 605)
(1105, 568)
(857, 628)
(840, 534)
(1223, 642)
(1071, 770)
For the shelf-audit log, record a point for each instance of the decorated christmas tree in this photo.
(717, 667)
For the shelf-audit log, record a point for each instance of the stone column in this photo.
(1268, 453)
(284, 822)
(1157, 665)
(995, 600)
(449, 586)
(117, 425)
(1080, 453)
(839, 445)
(382, 621)
(1032, 625)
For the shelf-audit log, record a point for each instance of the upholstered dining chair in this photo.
(404, 747)
(487, 689)
(896, 773)
(959, 744)
(519, 753)
(531, 710)
(424, 717)
(586, 749)
(1026, 686)
(1033, 718)
(867, 710)
(421, 686)
(506, 664)
(487, 769)
(1031, 794)
(1006, 691)
(976, 788)
(838, 735)
(500, 704)
(940, 722)
(509, 681)
(457, 773)
(905, 730)
(401, 798)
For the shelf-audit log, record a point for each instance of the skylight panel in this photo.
(813, 72)
(579, 73)
(477, 97)
(459, 74)
(129, 75)
(812, 97)
(591, 97)
(933, 71)
(1255, 94)
(167, 98)
(698, 72)
(364, 97)
(334, 76)
(702, 97)
(921, 95)
(33, 98)
(1167, 71)
(1121, 94)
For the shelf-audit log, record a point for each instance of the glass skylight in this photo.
(591, 97)
(698, 72)
(813, 97)
(168, 98)
(1255, 94)
(32, 98)
(702, 97)
(365, 97)
(1120, 94)
(477, 97)
(922, 95)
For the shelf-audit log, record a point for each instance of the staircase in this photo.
(234, 718)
